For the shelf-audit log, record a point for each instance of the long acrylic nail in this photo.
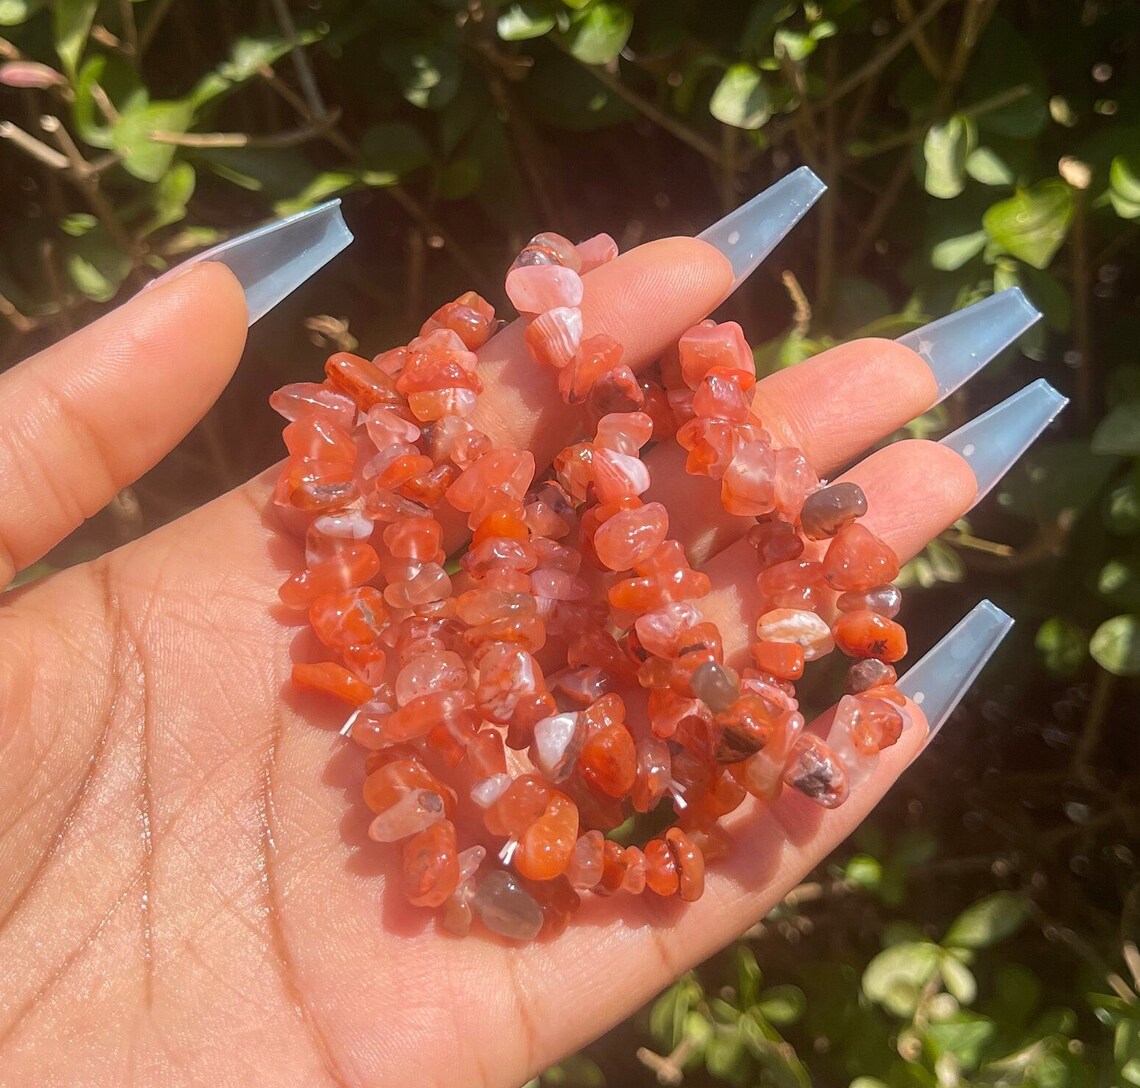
(746, 236)
(957, 346)
(274, 260)
(995, 441)
(937, 683)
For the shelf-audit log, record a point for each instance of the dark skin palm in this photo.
(187, 892)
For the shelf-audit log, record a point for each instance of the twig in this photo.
(158, 14)
(244, 139)
(799, 300)
(967, 540)
(883, 207)
(657, 115)
(669, 1069)
(130, 29)
(103, 101)
(1082, 323)
(80, 173)
(19, 321)
(301, 61)
(921, 45)
(27, 143)
(1090, 737)
(901, 139)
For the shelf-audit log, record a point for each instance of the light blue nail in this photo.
(995, 441)
(274, 260)
(746, 236)
(957, 346)
(937, 683)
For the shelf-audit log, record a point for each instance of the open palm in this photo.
(187, 891)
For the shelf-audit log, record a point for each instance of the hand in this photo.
(187, 891)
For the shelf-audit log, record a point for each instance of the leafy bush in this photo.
(969, 145)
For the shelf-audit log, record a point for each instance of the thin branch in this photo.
(921, 45)
(657, 115)
(911, 135)
(882, 210)
(27, 143)
(244, 139)
(158, 14)
(19, 321)
(301, 62)
(130, 29)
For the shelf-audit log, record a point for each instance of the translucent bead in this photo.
(784, 660)
(310, 398)
(596, 355)
(618, 475)
(412, 813)
(584, 869)
(706, 346)
(534, 289)
(362, 380)
(716, 685)
(505, 675)
(886, 600)
(596, 251)
(793, 478)
(861, 729)
(720, 397)
(471, 317)
(817, 772)
(830, 509)
(508, 469)
(748, 486)
(430, 672)
(331, 533)
(630, 535)
(775, 542)
(545, 847)
(661, 632)
(557, 743)
(857, 560)
(431, 865)
(867, 674)
(329, 678)
(318, 438)
(352, 567)
(654, 775)
(505, 908)
(805, 629)
(608, 760)
(553, 338)
(661, 875)
(488, 790)
(762, 774)
(352, 618)
(867, 634)
(690, 864)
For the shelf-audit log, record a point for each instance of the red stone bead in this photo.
(352, 567)
(867, 634)
(608, 760)
(857, 560)
(431, 865)
(330, 678)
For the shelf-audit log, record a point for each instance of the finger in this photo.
(833, 407)
(85, 417)
(644, 298)
(915, 489)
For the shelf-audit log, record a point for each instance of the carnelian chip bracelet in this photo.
(491, 697)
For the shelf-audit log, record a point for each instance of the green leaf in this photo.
(1124, 186)
(741, 99)
(725, 1055)
(896, 976)
(958, 979)
(984, 165)
(965, 1035)
(988, 921)
(15, 12)
(1119, 431)
(171, 196)
(131, 137)
(792, 44)
(1032, 224)
(782, 1004)
(944, 152)
(1122, 510)
(397, 148)
(670, 1011)
(71, 23)
(520, 22)
(1063, 646)
(78, 224)
(749, 975)
(1119, 582)
(864, 872)
(96, 265)
(1115, 645)
(950, 254)
(600, 33)
(427, 73)
(320, 188)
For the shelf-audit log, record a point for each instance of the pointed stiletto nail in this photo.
(746, 236)
(995, 441)
(937, 683)
(957, 346)
(272, 261)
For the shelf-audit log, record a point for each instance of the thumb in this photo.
(91, 414)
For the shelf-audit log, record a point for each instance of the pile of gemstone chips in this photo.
(520, 703)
